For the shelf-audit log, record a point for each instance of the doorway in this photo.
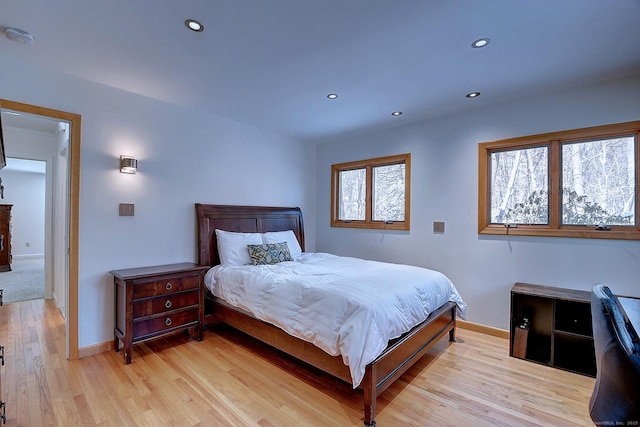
(71, 207)
(25, 198)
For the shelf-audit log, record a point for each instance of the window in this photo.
(371, 193)
(577, 183)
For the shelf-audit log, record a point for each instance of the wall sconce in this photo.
(128, 164)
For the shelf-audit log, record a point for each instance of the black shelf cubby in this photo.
(558, 327)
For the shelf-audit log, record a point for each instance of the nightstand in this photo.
(151, 302)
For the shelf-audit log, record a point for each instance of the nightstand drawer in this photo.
(165, 285)
(165, 303)
(172, 320)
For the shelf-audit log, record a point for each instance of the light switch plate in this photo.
(438, 227)
(126, 209)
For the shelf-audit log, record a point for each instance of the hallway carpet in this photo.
(25, 281)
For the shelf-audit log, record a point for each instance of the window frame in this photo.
(554, 141)
(368, 165)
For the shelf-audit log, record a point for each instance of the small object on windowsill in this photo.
(509, 225)
(603, 227)
(388, 221)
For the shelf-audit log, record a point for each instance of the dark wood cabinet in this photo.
(5, 237)
(155, 301)
(557, 325)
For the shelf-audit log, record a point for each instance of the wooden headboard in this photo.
(244, 219)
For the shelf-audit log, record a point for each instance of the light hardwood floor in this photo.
(230, 380)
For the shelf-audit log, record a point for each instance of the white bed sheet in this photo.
(345, 306)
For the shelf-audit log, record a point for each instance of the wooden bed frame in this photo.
(400, 354)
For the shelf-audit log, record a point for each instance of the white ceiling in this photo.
(271, 64)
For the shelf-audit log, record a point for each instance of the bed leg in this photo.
(369, 397)
(452, 332)
(369, 415)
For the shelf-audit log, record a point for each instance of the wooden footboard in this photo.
(398, 357)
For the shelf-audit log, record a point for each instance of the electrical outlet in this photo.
(126, 209)
(27, 244)
(438, 227)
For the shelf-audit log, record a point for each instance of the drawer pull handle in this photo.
(168, 304)
(168, 286)
(168, 322)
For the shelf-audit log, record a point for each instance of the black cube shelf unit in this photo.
(558, 330)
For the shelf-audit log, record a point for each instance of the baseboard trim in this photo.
(92, 350)
(488, 330)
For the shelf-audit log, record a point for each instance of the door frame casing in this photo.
(73, 213)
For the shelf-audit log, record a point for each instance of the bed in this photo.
(398, 356)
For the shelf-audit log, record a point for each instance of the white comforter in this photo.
(345, 306)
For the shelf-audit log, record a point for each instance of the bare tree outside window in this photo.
(388, 193)
(519, 186)
(598, 182)
(353, 186)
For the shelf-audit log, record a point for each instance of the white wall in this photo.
(26, 192)
(444, 183)
(184, 157)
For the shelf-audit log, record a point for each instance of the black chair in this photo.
(616, 395)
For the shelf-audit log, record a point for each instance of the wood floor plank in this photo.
(229, 379)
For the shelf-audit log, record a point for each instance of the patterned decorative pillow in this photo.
(269, 253)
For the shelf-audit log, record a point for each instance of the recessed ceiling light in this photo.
(480, 42)
(194, 25)
(473, 95)
(396, 113)
(332, 96)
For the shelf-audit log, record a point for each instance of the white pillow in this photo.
(232, 247)
(284, 236)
